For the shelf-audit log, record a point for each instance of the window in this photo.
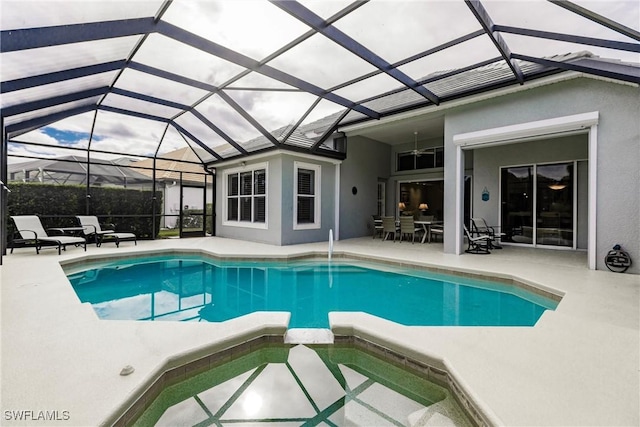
(307, 196)
(246, 196)
(425, 159)
(382, 187)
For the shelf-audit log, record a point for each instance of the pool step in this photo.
(308, 336)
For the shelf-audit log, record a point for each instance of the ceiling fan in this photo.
(417, 152)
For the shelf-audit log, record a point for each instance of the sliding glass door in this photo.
(517, 204)
(538, 204)
(554, 204)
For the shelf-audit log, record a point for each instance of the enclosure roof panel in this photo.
(230, 78)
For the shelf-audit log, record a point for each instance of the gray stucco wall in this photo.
(618, 205)
(280, 182)
(367, 161)
(274, 190)
(327, 203)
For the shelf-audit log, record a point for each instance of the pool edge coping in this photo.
(536, 288)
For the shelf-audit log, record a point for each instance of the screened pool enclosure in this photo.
(153, 95)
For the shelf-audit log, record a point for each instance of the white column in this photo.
(459, 216)
(593, 197)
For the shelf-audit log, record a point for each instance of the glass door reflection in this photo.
(554, 204)
(517, 204)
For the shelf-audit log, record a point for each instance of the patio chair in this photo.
(389, 227)
(437, 230)
(408, 228)
(33, 234)
(377, 226)
(479, 227)
(92, 228)
(477, 244)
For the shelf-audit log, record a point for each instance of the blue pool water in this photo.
(200, 289)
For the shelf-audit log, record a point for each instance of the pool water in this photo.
(200, 289)
(304, 385)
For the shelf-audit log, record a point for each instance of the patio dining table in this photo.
(426, 226)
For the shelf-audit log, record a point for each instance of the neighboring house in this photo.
(180, 176)
(69, 170)
(553, 162)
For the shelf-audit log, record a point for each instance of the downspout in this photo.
(214, 176)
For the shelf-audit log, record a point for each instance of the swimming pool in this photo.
(196, 288)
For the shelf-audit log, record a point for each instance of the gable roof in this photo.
(172, 165)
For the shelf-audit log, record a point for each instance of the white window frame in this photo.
(225, 197)
(317, 196)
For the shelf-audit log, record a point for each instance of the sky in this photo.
(392, 30)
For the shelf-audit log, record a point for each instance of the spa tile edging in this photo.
(434, 374)
(174, 374)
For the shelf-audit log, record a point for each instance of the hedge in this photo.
(57, 205)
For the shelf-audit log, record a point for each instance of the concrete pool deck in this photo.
(580, 365)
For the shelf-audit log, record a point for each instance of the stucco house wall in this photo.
(270, 232)
(618, 156)
(327, 190)
(279, 228)
(367, 162)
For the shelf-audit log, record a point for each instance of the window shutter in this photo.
(306, 182)
(305, 210)
(233, 185)
(260, 209)
(260, 178)
(246, 183)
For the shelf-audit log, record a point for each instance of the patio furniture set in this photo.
(31, 233)
(405, 227)
(482, 238)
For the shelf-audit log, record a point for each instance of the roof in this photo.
(172, 165)
(73, 169)
(231, 78)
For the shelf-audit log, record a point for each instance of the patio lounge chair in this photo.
(33, 234)
(479, 227)
(477, 244)
(92, 228)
